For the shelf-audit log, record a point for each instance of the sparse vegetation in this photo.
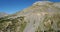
(28, 20)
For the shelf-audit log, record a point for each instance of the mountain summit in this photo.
(42, 2)
(41, 16)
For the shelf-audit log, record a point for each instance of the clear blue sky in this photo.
(12, 6)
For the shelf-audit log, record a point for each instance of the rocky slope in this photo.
(42, 16)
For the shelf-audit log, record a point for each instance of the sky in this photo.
(13, 6)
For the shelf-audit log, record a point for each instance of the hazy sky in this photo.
(12, 6)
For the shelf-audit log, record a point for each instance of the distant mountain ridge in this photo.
(2, 14)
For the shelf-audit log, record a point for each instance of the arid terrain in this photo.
(41, 16)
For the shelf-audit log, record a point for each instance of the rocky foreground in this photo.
(42, 16)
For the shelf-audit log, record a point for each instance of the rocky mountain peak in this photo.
(42, 2)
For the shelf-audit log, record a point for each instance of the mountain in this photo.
(2, 14)
(57, 4)
(41, 16)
